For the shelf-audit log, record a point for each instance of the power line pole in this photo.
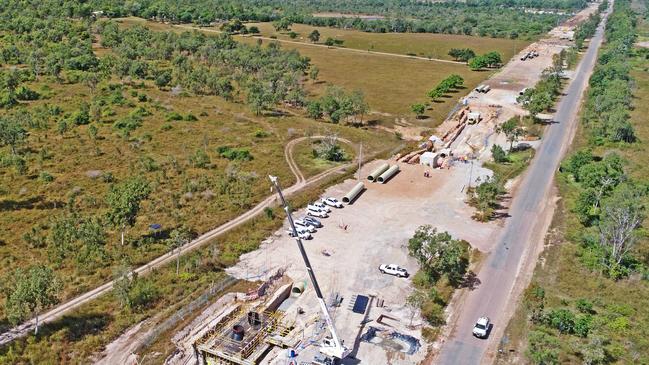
(360, 161)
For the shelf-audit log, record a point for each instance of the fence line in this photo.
(182, 313)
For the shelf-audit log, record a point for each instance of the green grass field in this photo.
(420, 44)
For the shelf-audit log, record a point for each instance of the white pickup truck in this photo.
(393, 269)
(481, 328)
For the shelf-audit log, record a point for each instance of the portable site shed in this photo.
(428, 159)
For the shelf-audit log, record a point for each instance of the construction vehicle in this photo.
(330, 346)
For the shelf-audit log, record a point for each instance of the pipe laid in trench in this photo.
(376, 173)
(388, 174)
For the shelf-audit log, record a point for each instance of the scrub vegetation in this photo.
(118, 143)
(494, 18)
(588, 303)
(444, 263)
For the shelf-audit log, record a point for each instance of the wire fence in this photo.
(185, 312)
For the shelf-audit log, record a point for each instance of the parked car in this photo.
(301, 223)
(312, 221)
(303, 235)
(393, 269)
(332, 202)
(320, 206)
(481, 328)
(316, 213)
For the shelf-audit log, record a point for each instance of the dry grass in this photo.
(420, 44)
(391, 84)
(28, 201)
(310, 165)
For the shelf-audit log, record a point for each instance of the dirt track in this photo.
(72, 304)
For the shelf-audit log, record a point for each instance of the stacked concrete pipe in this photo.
(388, 174)
(376, 173)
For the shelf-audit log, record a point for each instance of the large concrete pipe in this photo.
(376, 173)
(298, 288)
(349, 197)
(388, 174)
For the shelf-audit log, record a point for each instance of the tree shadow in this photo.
(76, 327)
(37, 202)
(160, 234)
(545, 122)
(470, 281)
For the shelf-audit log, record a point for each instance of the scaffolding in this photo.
(259, 330)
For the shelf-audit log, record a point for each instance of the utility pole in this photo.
(360, 161)
(471, 174)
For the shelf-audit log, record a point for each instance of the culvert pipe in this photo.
(376, 173)
(298, 289)
(349, 197)
(388, 174)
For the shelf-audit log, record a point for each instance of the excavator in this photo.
(331, 346)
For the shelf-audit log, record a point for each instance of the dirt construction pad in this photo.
(378, 226)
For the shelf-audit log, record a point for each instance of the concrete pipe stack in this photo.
(388, 174)
(376, 173)
(353, 194)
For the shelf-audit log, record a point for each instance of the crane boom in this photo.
(337, 350)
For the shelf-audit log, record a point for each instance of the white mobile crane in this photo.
(332, 346)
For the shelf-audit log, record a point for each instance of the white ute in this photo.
(316, 212)
(305, 225)
(481, 328)
(395, 270)
(332, 202)
(303, 234)
(320, 206)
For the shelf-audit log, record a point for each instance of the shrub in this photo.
(269, 213)
(80, 117)
(433, 313)
(241, 154)
(498, 154)
(260, 133)
(200, 159)
(45, 176)
(24, 93)
(561, 319)
(173, 116)
(543, 348)
(583, 324)
(128, 124)
(329, 149)
(148, 164)
(584, 305)
(142, 294)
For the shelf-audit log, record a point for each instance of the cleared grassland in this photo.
(390, 84)
(420, 44)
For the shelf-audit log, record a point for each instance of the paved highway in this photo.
(500, 275)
